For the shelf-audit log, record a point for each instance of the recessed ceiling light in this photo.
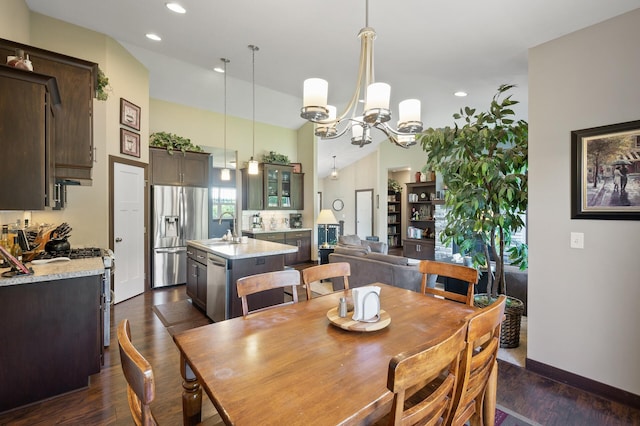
(460, 94)
(175, 7)
(219, 69)
(153, 37)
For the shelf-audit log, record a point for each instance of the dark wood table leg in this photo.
(191, 395)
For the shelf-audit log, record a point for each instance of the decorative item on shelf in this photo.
(394, 186)
(334, 171)
(225, 173)
(376, 112)
(275, 158)
(423, 177)
(20, 61)
(418, 176)
(253, 164)
(172, 142)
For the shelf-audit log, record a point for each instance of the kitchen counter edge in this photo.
(57, 271)
(252, 248)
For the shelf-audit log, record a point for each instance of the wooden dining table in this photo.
(290, 365)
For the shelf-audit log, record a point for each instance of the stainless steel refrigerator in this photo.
(179, 214)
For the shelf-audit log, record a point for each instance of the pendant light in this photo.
(225, 174)
(253, 164)
(334, 171)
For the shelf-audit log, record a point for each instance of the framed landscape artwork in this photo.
(605, 172)
(129, 143)
(129, 114)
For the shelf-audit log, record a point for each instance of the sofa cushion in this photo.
(350, 240)
(351, 250)
(388, 258)
(377, 246)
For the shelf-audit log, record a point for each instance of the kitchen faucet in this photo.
(235, 224)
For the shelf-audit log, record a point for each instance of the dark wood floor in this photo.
(104, 402)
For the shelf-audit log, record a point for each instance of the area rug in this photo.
(179, 316)
(506, 417)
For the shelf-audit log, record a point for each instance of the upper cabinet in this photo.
(29, 104)
(276, 187)
(73, 133)
(188, 169)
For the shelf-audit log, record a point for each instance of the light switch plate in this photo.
(577, 240)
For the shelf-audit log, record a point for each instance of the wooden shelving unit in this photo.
(394, 219)
(421, 204)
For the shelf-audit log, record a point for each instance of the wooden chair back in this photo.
(436, 366)
(478, 362)
(266, 281)
(450, 270)
(141, 388)
(325, 271)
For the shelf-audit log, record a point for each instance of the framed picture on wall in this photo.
(129, 114)
(605, 168)
(129, 143)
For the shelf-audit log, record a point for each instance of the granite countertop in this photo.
(270, 231)
(57, 271)
(252, 248)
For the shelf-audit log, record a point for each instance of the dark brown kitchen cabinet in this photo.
(29, 105)
(275, 187)
(252, 191)
(184, 169)
(51, 338)
(197, 276)
(419, 249)
(302, 240)
(73, 133)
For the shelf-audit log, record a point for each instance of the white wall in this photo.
(583, 304)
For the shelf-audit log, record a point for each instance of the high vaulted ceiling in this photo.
(424, 49)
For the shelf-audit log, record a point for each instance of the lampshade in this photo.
(326, 217)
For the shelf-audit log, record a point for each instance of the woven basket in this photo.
(510, 329)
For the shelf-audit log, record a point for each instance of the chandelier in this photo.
(376, 113)
(225, 173)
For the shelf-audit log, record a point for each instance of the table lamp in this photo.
(326, 217)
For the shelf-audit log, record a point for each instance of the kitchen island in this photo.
(50, 333)
(214, 266)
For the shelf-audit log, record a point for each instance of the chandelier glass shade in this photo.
(225, 173)
(376, 112)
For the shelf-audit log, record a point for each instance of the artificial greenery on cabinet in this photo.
(172, 142)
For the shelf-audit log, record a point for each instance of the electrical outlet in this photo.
(577, 240)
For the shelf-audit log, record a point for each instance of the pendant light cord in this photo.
(253, 53)
(225, 110)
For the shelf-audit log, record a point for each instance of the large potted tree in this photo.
(483, 163)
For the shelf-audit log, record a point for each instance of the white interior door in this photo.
(364, 213)
(128, 231)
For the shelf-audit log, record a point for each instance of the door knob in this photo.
(118, 240)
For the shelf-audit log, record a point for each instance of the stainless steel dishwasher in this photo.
(216, 287)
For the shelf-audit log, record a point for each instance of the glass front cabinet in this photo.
(278, 186)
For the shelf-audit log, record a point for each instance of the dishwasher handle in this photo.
(217, 261)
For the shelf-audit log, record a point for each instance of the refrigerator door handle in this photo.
(171, 250)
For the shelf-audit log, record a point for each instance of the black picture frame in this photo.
(129, 143)
(129, 114)
(597, 190)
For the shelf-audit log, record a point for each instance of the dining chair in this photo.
(478, 363)
(325, 271)
(431, 269)
(141, 387)
(438, 368)
(267, 281)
